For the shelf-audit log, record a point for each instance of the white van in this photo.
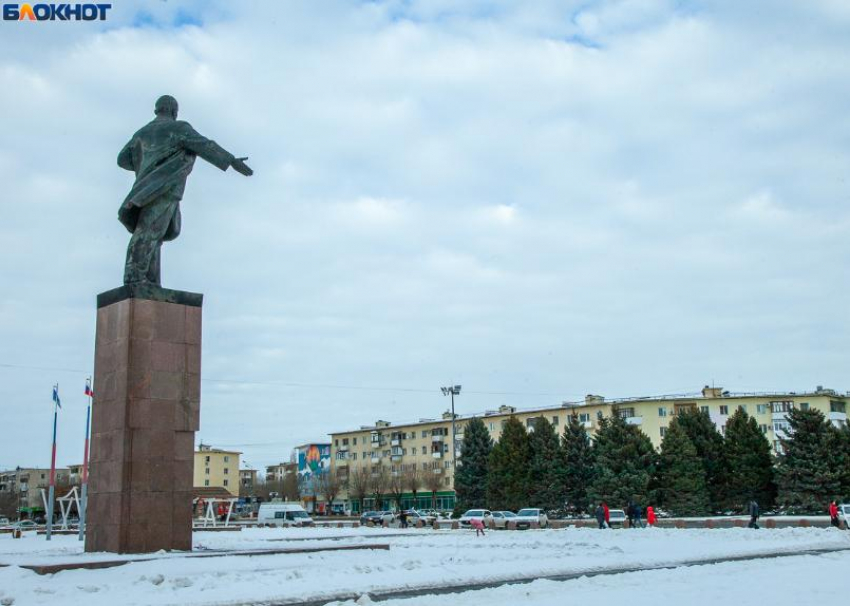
(283, 514)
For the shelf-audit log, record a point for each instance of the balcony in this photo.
(437, 438)
(376, 458)
(837, 416)
(437, 470)
(437, 454)
(395, 442)
(634, 420)
(395, 457)
(343, 448)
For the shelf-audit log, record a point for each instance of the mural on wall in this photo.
(313, 460)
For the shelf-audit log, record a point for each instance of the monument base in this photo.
(147, 382)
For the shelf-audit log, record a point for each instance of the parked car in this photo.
(479, 514)
(376, 517)
(413, 516)
(617, 516)
(24, 525)
(283, 514)
(4, 521)
(524, 518)
(844, 514)
(501, 518)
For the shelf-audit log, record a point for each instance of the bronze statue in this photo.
(162, 154)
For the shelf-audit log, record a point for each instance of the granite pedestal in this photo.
(147, 383)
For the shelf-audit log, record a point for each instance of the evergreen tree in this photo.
(545, 470)
(471, 471)
(624, 463)
(838, 447)
(681, 474)
(507, 477)
(807, 476)
(749, 463)
(577, 468)
(708, 442)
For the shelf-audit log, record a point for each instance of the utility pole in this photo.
(452, 391)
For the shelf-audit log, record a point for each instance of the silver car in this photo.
(524, 518)
(501, 518)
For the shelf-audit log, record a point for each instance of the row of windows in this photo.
(226, 471)
(207, 482)
(207, 459)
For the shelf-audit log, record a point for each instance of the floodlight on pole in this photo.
(452, 390)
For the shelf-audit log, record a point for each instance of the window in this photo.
(663, 431)
(761, 408)
(703, 409)
(345, 441)
(336, 442)
(447, 464)
(781, 426)
(424, 433)
(226, 471)
(763, 428)
(626, 413)
(354, 441)
(424, 450)
(226, 459)
(492, 426)
(804, 406)
(781, 406)
(445, 447)
(662, 412)
(226, 482)
(724, 410)
(555, 421)
(353, 456)
(207, 471)
(206, 482)
(206, 457)
(836, 406)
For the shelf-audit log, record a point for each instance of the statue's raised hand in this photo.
(239, 165)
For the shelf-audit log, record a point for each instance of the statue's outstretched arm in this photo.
(213, 153)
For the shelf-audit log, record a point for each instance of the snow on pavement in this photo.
(418, 558)
(787, 582)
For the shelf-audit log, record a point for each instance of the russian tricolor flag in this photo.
(89, 391)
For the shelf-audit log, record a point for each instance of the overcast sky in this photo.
(536, 200)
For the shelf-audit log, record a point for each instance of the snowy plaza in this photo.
(811, 568)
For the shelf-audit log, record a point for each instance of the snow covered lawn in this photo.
(417, 558)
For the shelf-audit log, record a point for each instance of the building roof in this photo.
(595, 401)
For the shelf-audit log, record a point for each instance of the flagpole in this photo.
(84, 496)
(52, 489)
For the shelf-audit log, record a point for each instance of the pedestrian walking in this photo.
(754, 514)
(650, 515)
(478, 525)
(600, 516)
(638, 512)
(403, 518)
(607, 514)
(630, 513)
(833, 514)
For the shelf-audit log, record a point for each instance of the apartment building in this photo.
(424, 449)
(280, 471)
(26, 484)
(217, 468)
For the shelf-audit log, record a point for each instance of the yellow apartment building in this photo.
(217, 468)
(423, 450)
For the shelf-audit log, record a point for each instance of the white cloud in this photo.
(556, 197)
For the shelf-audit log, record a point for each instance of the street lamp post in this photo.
(452, 390)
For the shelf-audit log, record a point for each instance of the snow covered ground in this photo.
(424, 557)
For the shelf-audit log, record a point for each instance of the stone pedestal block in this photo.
(147, 383)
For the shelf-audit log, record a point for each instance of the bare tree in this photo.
(395, 485)
(412, 480)
(378, 480)
(330, 484)
(9, 501)
(433, 482)
(290, 488)
(358, 484)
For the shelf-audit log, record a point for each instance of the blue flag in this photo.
(56, 396)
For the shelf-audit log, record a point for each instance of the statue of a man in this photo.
(162, 154)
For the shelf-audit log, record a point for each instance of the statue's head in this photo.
(166, 106)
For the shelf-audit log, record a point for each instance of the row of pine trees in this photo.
(697, 471)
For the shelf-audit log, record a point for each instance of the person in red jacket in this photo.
(607, 515)
(650, 515)
(833, 515)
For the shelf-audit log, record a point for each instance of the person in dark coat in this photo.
(600, 516)
(754, 514)
(630, 513)
(638, 512)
